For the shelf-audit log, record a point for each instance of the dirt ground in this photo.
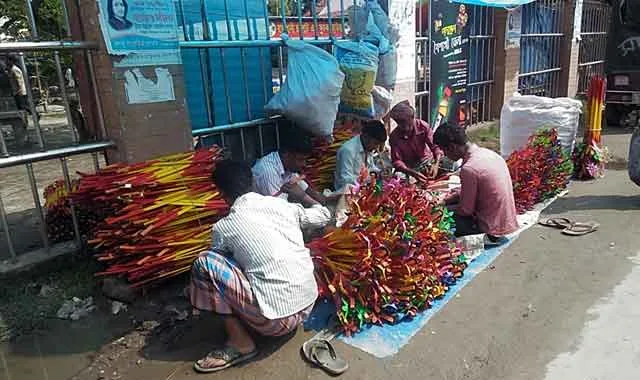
(516, 317)
(486, 135)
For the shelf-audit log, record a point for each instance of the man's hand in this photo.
(452, 198)
(294, 191)
(419, 176)
(433, 171)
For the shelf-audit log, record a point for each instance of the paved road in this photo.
(551, 307)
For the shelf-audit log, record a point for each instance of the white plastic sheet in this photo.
(522, 116)
(382, 100)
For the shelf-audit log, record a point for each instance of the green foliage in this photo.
(50, 24)
(49, 19)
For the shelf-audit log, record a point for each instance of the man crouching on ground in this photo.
(485, 203)
(258, 273)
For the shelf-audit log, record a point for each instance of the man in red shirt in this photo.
(485, 203)
(412, 149)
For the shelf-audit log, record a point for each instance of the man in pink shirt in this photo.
(485, 203)
(412, 149)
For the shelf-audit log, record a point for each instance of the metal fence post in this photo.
(5, 227)
(38, 205)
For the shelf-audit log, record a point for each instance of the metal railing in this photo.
(540, 47)
(245, 34)
(423, 60)
(596, 16)
(51, 52)
(482, 51)
(28, 160)
(50, 145)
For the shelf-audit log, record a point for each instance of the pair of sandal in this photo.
(570, 227)
(317, 351)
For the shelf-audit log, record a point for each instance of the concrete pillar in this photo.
(507, 62)
(140, 131)
(569, 51)
(402, 13)
(86, 98)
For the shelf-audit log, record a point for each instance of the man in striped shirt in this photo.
(277, 173)
(259, 272)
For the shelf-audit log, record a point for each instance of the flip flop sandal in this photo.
(559, 223)
(489, 243)
(580, 229)
(321, 353)
(230, 355)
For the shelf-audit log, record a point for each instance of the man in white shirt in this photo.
(276, 173)
(358, 154)
(18, 85)
(259, 272)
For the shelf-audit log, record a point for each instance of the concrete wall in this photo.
(402, 12)
(507, 63)
(570, 51)
(140, 131)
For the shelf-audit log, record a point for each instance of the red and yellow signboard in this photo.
(308, 28)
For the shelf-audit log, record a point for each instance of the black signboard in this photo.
(449, 62)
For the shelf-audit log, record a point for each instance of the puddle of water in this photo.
(60, 353)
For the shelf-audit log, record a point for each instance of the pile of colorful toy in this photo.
(58, 212)
(540, 170)
(590, 160)
(590, 157)
(391, 259)
(160, 214)
(320, 167)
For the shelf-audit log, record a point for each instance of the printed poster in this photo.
(143, 90)
(144, 31)
(449, 63)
